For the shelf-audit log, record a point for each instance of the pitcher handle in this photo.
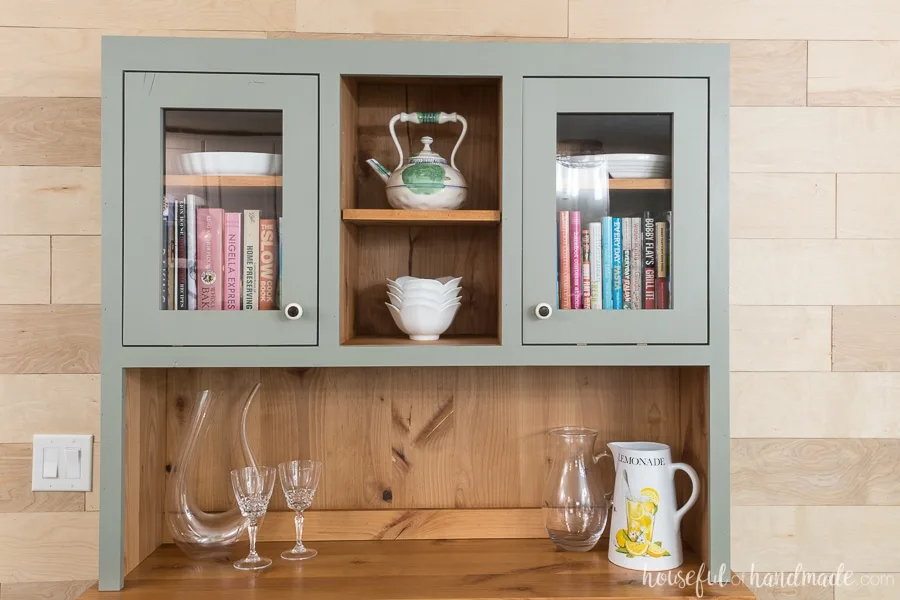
(429, 117)
(597, 457)
(695, 489)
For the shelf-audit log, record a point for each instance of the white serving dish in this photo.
(441, 284)
(638, 166)
(230, 163)
(434, 302)
(422, 323)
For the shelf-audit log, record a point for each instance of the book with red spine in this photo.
(649, 228)
(209, 258)
(575, 265)
(565, 281)
(662, 265)
(585, 268)
(233, 247)
(268, 263)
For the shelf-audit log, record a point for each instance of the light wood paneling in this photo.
(735, 19)
(778, 538)
(879, 586)
(56, 590)
(782, 205)
(50, 200)
(50, 131)
(815, 405)
(76, 269)
(32, 404)
(814, 272)
(15, 486)
(213, 15)
(66, 62)
(49, 339)
(27, 266)
(545, 18)
(867, 206)
(866, 338)
(780, 338)
(765, 586)
(815, 472)
(48, 546)
(145, 462)
(815, 140)
(854, 73)
(768, 73)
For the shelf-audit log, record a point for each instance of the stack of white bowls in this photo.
(639, 166)
(423, 309)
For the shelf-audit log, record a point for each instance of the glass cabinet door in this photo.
(615, 211)
(220, 209)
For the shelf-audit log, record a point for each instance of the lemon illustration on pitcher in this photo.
(637, 538)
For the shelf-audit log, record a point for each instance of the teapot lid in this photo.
(426, 154)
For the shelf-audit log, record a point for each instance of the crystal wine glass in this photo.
(253, 489)
(299, 480)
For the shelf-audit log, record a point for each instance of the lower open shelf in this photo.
(406, 570)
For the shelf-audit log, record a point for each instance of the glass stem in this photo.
(252, 529)
(298, 524)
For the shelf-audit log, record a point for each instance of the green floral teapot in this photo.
(426, 181)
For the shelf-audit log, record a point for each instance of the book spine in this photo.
(596, 253)
(251, 259)
(181, 255)
(575, 265)
(164, 258)
(192, 250)
(626, 263)
(607, 259)
(649, 261)
(637, 264)
(617, 263)
(268, 264)
(233, 246)
(280, 262)
(585, 269)
(669, 255)
(209, 258)
(565, 281)
(662, 261)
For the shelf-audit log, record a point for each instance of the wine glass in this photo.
(299, 480)
(253, 489)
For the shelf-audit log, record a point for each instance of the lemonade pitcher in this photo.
(645, 531)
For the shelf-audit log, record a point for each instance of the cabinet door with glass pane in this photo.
(615, 211)
(220, 209)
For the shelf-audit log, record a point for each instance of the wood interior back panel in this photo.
(694, 386)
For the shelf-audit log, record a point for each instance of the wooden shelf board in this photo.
(405, 570)
(376, 216)
(402, 340)
(640, 184)
(223, 181)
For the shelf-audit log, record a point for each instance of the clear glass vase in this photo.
(199, 534)
(575, 503)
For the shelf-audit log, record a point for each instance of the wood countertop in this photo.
(407, 570)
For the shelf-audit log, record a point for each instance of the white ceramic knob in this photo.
(543, 311)
(293, 311)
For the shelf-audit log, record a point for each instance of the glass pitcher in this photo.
(575, 503)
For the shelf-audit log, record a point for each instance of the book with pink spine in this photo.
(209, 258)
(234, 245)
(575, 249)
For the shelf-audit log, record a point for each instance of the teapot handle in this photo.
(695, 489)
(429, 117)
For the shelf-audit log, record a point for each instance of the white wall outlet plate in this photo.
(62, 463)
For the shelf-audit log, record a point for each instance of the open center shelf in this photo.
(407, 570)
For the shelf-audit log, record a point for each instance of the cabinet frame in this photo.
(329, 60)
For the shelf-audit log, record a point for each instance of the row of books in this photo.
(618, 263)
(217, 260)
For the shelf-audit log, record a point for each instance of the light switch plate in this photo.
(74, 462)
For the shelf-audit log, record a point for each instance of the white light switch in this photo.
(62, 463)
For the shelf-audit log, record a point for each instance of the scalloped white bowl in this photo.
(422, 323)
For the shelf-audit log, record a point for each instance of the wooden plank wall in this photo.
(815, 325)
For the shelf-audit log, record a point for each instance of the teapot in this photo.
(426, 181)
(645, 528)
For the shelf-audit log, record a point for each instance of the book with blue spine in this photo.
(607, 239)
(617, 263)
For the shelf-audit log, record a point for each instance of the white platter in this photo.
(230, 163)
